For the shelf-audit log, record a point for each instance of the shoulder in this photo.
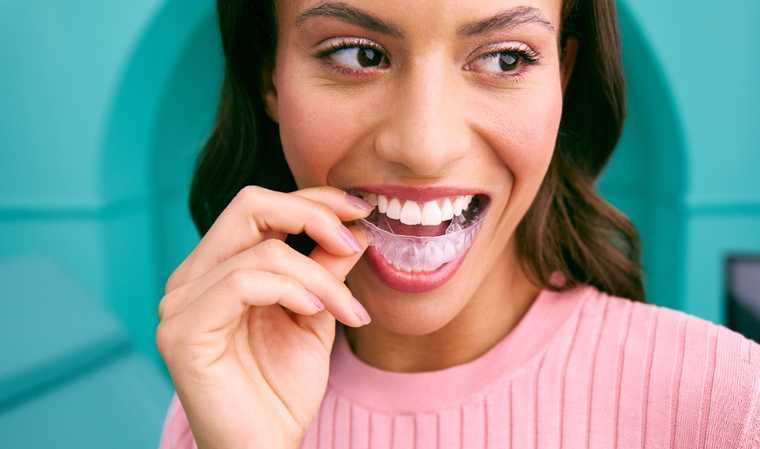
(701, 378)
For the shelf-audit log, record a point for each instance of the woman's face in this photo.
(443, 93)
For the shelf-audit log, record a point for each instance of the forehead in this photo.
(409, 17)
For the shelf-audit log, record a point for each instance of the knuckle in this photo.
(164, 338)
(274, 249)
(178, 276)
(162, 309)
(238, 279)
(291, 285)
(171, 283)
(165, 305)
(248, 194)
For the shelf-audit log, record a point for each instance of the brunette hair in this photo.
(569, 227)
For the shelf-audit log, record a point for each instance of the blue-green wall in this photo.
(708, 55)
(105, 105)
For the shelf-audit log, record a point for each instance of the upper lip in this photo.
(419, 194)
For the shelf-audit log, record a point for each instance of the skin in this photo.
(429, 114)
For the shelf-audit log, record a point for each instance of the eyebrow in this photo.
(346, 13)
(504, 20)
(507, 19)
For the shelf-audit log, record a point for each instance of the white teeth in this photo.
(459, 205)
(447, 210)
(394, 209)
(410, 213)
(467, 200)
(431, 214)
(382, 203)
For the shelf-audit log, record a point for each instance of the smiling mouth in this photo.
(398, 234)
(430, 218)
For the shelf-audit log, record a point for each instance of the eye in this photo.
(506, 62)
(353, 55)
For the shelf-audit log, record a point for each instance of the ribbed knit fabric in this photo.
(582, 369)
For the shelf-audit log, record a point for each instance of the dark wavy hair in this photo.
(569, 227)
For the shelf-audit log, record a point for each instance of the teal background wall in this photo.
(105, 105)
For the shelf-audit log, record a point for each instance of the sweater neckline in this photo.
(393, 391)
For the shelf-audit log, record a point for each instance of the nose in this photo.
(425, 130)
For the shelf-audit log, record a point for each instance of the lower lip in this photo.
(413, 282)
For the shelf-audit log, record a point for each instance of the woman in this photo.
(505, 296)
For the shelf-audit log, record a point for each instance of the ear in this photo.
(568, 60)
(269, 92)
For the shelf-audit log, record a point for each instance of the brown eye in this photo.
(355, 57)
(500, 62)
(369, 57)
(507, 61)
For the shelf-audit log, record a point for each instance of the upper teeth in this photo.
(412, 213)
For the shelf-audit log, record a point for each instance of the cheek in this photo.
(315, 131)
(525, 133)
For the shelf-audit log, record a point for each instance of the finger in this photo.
(223, 304)
(256, 214)
(277, 257)
(341, 266)
(346, 207)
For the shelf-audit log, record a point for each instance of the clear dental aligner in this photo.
(423, 253)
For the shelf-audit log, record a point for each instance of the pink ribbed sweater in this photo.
(582, 369)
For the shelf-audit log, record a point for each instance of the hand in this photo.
(247, 349)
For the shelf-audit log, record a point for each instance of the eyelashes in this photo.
(364, 51)
(511, 58)
(355, 56)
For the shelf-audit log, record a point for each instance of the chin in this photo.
(410, 313)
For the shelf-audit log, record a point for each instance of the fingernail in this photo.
(361, 312)
(349, 238)
(358, 202)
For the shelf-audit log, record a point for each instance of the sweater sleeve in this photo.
(176, 433)
(717, 399)
(751, 431)
(751, 438)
